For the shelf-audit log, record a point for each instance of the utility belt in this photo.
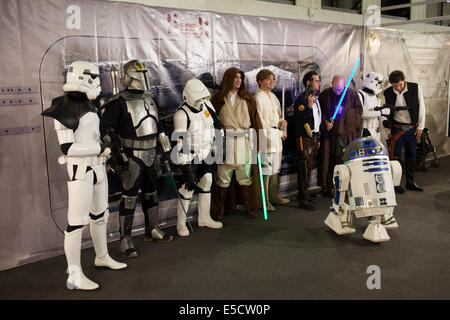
(316, 136)
(137, 144)
(236, 134)
(393, 139)
(304, 143)
(403, 126)
(82, 161)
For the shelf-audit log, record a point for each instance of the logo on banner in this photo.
(188, 24)
(373, 43)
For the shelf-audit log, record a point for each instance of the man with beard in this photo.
(407, 125)
(237, 111)
(345, 128)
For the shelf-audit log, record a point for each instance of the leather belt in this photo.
(234, 134)
(404, 126)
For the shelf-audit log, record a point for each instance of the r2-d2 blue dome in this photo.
(364, 147)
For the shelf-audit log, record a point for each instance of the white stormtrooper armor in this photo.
(367, 178)
(133, 115)
(83, 76)
(77, 127)
(369, 96)
(194, 120)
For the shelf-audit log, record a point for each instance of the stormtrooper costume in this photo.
(133, 115)
(370, 99)
(369, 95)
(77, 127)
(196, 121)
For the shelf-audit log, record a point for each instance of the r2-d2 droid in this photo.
(366, 179)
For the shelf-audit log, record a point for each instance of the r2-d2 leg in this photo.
(388, 220)
(340, 219)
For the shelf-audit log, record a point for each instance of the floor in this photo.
(292, 255)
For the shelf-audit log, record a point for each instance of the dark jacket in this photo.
(304, 114)
(348, 119)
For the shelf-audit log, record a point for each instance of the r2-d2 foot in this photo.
(376, 232)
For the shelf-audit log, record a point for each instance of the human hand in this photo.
(418, 133)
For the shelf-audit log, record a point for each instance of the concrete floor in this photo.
(293, 255)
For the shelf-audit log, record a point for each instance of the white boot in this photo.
(98, 235)
(204, 218)
(182, 230)
(72, 249)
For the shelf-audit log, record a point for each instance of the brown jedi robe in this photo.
(218, 101)
(348, 122)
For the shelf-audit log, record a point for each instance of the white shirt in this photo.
(317, 114)
(232, 97)
(403, 116)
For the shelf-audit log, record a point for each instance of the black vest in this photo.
(411, 99)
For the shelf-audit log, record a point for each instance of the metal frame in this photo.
(413, 4)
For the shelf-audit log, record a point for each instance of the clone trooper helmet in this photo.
(134, 75)
(195, 92)
(83, 76)
(373, 81)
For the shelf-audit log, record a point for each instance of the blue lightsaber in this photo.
(345, 91)
(262, 186)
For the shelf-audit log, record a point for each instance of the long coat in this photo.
(347, 122)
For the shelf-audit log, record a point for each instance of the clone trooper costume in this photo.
(367, 178)
(77, 127)
(196, 120)
(369, 95)
(133, 115)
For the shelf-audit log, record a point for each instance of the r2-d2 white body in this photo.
(367, 179)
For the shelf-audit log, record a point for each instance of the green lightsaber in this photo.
(262, 187)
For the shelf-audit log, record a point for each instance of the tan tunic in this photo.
(236, 121)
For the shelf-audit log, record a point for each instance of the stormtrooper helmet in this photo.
(373, 81)
(195, 92)
(83, 76)
(134, 75)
